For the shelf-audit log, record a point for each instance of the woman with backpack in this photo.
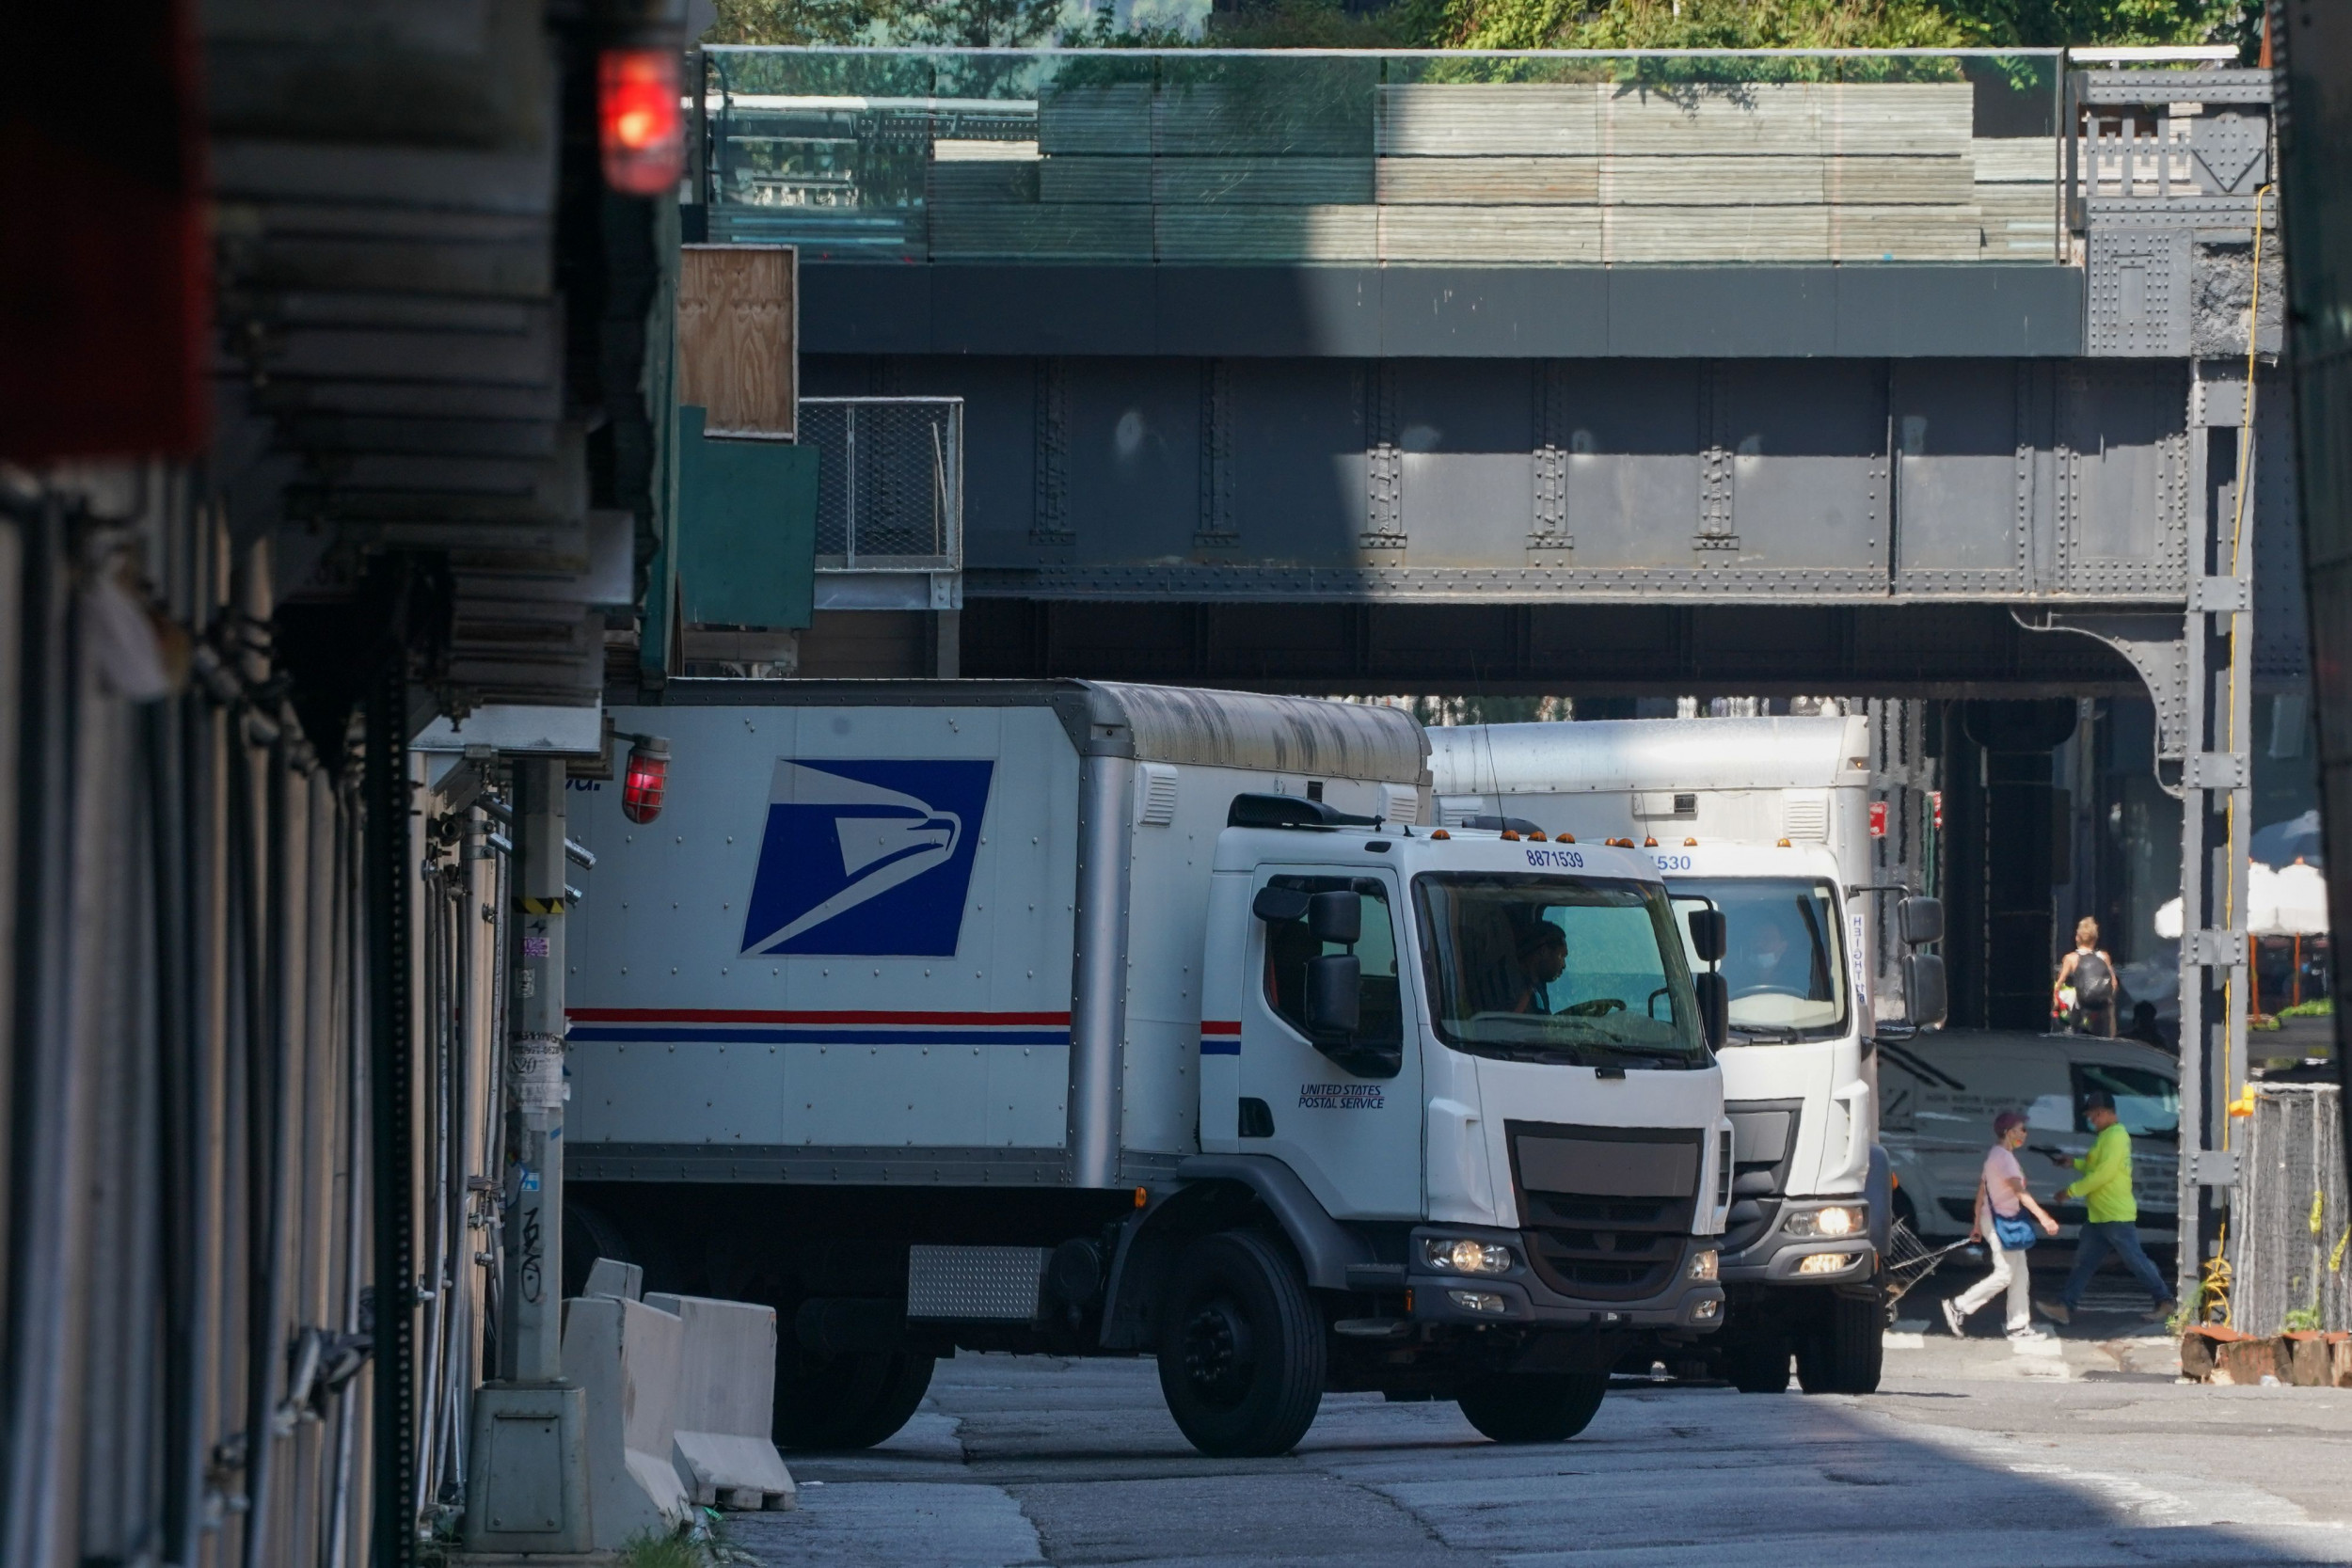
(2085, 993)
(2002, 1205)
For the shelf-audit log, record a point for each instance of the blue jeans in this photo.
(2121, 1237)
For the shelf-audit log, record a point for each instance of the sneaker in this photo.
(1953, 1320)
(2057, 1311)
(2159, 1313)
(2028, 1332)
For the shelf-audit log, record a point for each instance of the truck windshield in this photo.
(1580, 971)
(1786, 967)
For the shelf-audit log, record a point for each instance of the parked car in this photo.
(1941, 1089)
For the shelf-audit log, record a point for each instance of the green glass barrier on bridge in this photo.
(1207, 156)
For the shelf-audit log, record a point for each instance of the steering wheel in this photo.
(1757, 990)
(1593, 1007)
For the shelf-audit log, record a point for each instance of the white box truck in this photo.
(1783, 824)
(1107, 1019)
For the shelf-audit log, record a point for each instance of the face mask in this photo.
(1766, 962)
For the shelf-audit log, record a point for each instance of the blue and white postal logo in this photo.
(867, 858)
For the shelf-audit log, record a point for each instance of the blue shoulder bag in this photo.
(2014, 1230)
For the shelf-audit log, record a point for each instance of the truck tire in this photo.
(1845, 1353)
(854, 1401)
(1533, 1407)
(1241, 1347)
(1757, 1366)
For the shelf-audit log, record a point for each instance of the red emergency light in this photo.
(639, 125)
(647, 777)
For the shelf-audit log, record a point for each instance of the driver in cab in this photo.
(1762, 963)
(1543, 952)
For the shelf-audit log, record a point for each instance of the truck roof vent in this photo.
(1808, 815)
(1400, 803)
(1289, 811)
(1158, 784)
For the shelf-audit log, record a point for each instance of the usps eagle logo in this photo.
(866, 858)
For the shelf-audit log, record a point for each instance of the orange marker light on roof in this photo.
(1649, 843)
(1510, 835)
(1568, 838)
(1536, 837)
(1783, 843)
(1439, 833)
(1689, 844)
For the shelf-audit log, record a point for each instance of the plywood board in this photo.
(738, 329)
(1489, 182)
(1427, 120)
(2015, 160)
(1083, 177)
(1042, 231)
(1267, 182)
(1546, 235)
(1268, 233)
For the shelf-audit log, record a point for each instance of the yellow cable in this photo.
(2213, 1287)
(2229, 708)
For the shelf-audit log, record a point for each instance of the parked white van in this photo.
(1941, 1089)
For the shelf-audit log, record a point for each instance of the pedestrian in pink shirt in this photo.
(2002, 1205)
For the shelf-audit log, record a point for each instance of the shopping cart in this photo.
(1909, 1260)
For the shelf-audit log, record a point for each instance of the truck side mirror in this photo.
(1337, 918)
(1335, 997)
(1714, 1005)
(1921, 919)
(1925, 1003)
(1708, 938)
(1278, 906)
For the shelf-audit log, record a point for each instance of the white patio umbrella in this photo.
(2303, 900)
(2288, 903)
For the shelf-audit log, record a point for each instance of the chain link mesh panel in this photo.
(889, 481)
(2289, 1218)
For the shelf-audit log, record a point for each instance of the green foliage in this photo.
(976, 24)
(648, 1550)
(2324, 1006)
(2303, 1320)
(1513, 24)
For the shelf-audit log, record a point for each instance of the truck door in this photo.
(1350, 1130)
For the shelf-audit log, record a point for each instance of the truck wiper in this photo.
(1774, 1036)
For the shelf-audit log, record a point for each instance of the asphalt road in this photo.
(2082, 1451)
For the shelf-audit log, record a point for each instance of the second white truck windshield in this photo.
(1785, 966)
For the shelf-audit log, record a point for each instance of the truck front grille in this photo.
(1764, 1136)
(1607, 1210)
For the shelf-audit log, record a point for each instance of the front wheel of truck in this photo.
(1845, 1352)
(1241, 1347)
(853, 1400)
(1536, 1407)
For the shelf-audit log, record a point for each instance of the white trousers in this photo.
(2008, 1273)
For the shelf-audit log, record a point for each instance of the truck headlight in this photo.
(1703, 1265)
(1836, 1219)
(1465, 1257)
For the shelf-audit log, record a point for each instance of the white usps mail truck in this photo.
(1105, 1020)
(1779, 824)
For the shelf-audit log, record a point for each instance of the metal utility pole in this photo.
(527, 1487)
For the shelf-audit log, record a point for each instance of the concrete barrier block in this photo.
(609, 1278)
(725, 1399)
(625, 1354)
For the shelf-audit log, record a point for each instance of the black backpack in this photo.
(2094, 982)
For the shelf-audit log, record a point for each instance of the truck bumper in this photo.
(1522, 1299)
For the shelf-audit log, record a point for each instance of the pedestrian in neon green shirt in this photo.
(2106, 1188)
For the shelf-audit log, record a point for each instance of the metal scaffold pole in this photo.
(527, 1487)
